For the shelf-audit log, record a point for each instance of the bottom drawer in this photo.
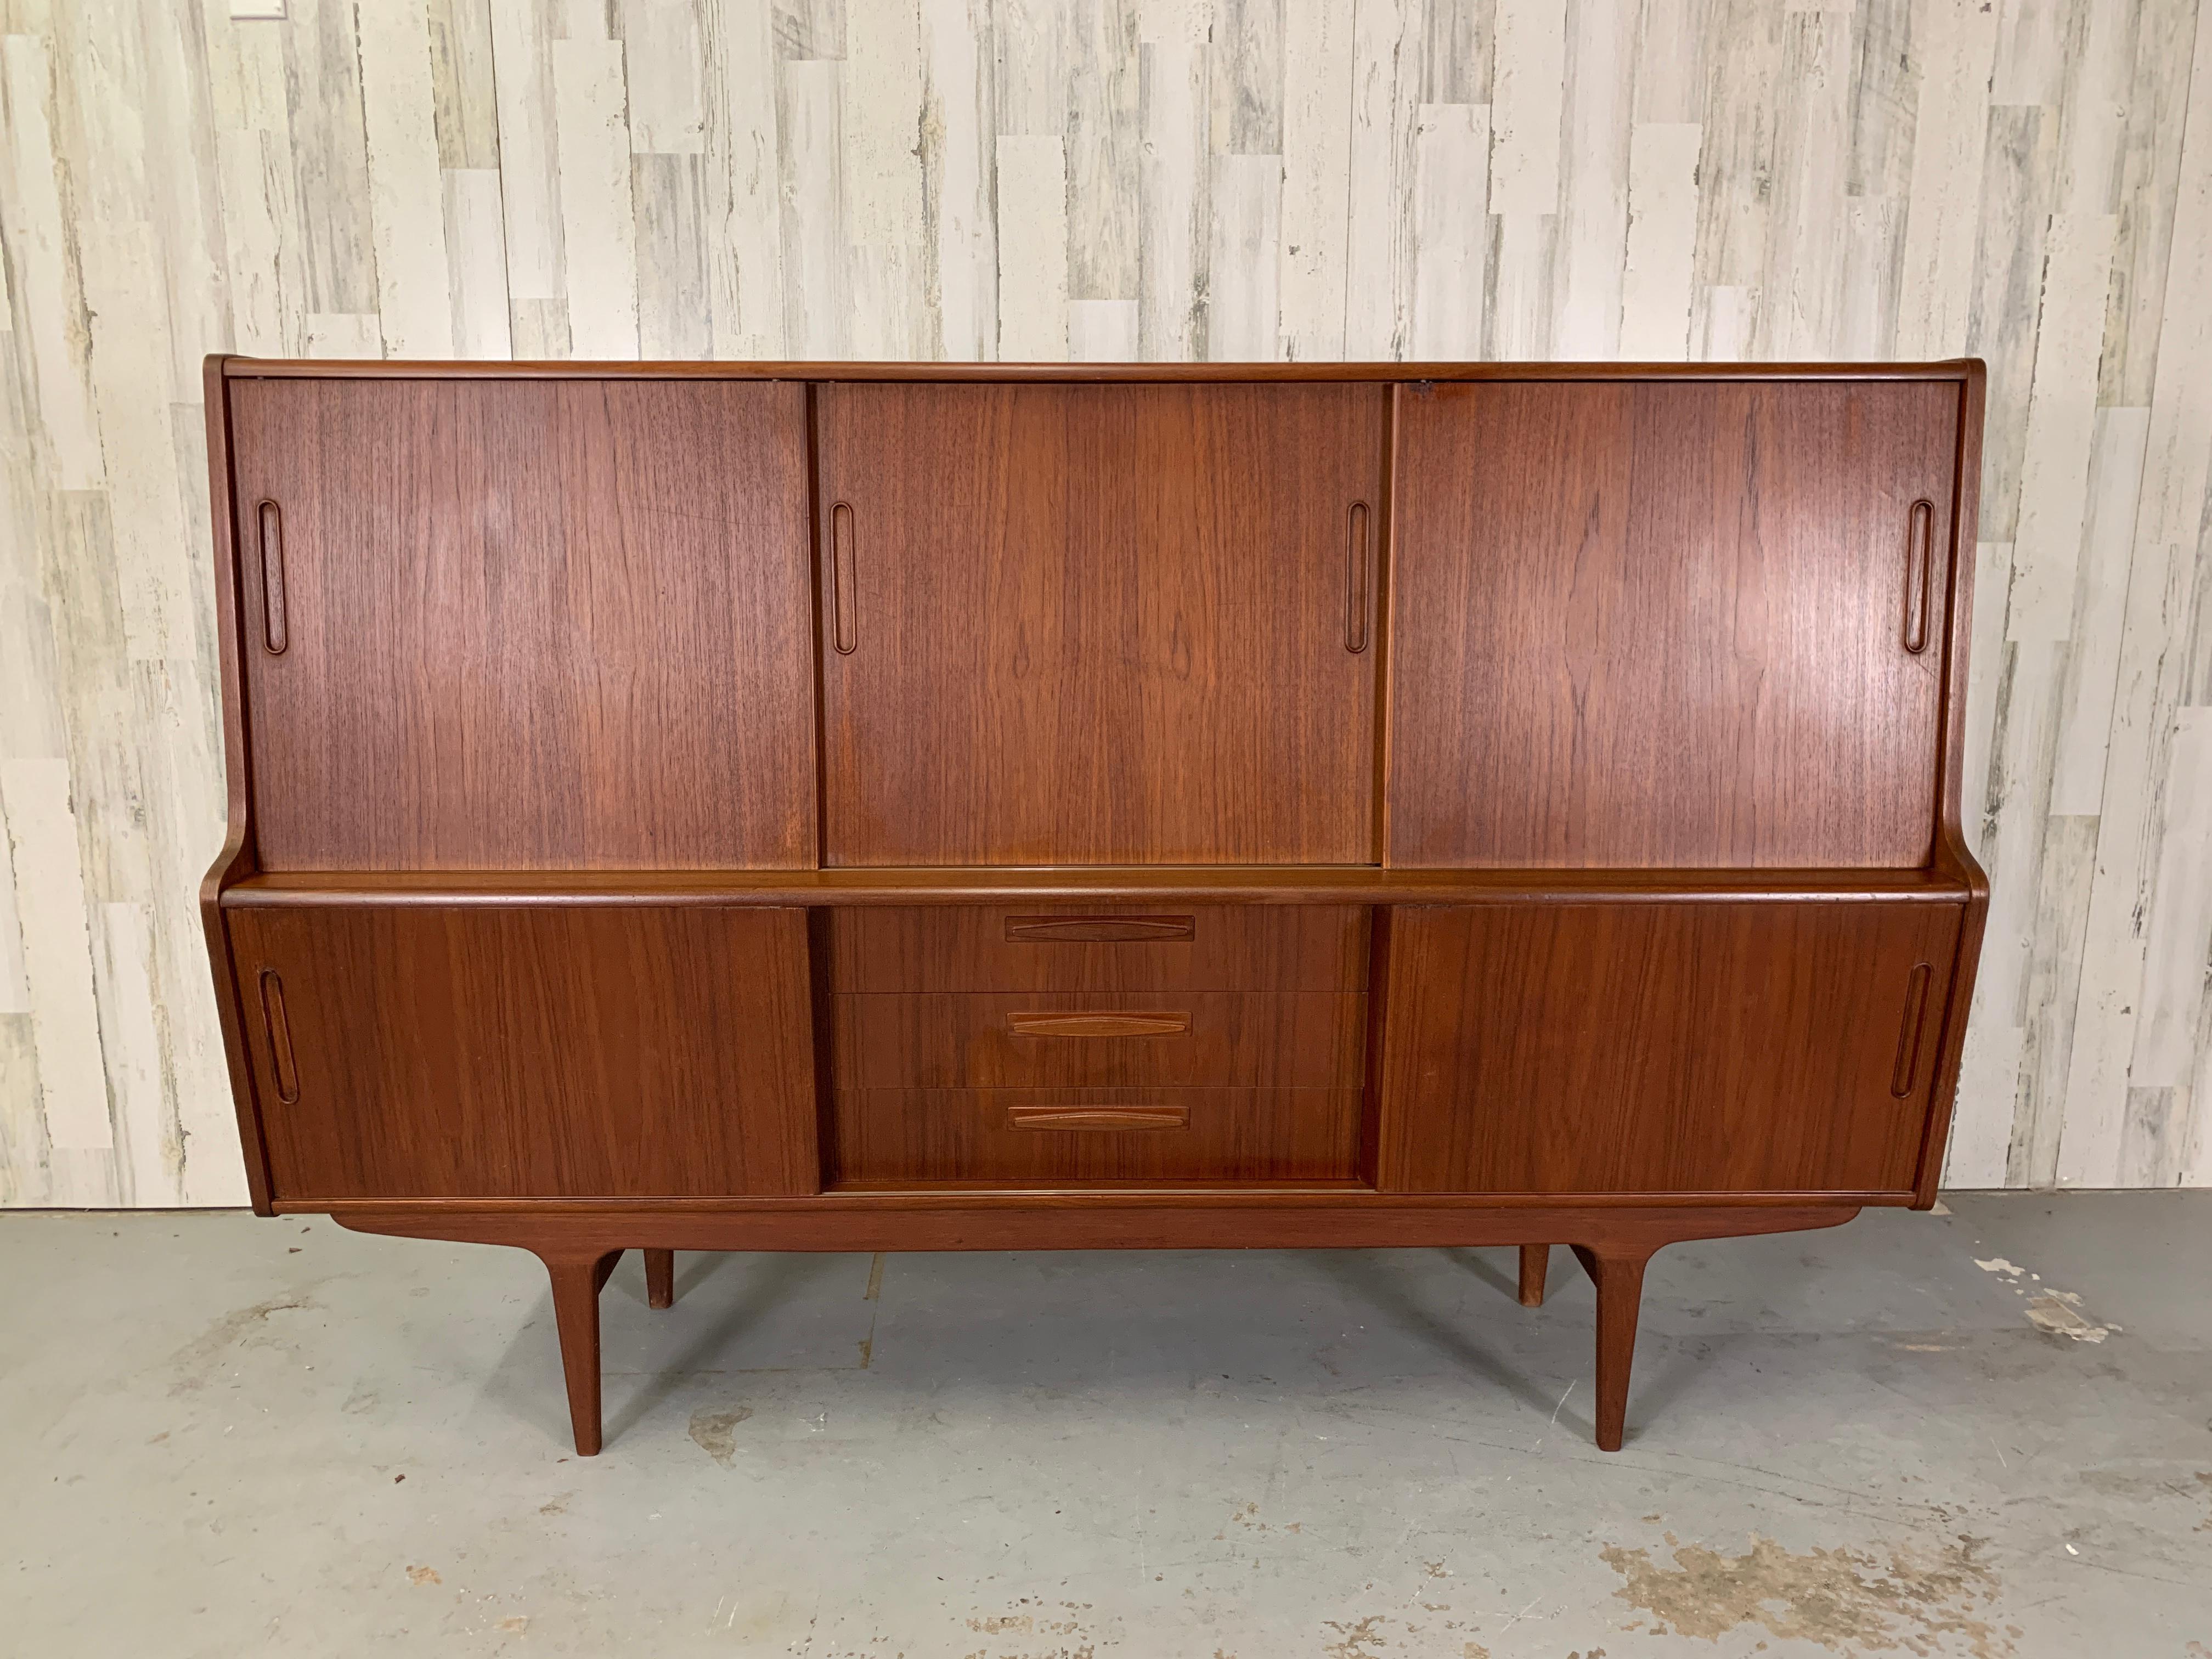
(1059, 1137)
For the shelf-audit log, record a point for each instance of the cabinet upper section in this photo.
(692, 617)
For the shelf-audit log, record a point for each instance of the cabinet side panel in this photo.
(1670, 625)
(1659, 1048)
(497, 1052)
(511, 625)
(1099, 624)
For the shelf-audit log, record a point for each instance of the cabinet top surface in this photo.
(1959, 368)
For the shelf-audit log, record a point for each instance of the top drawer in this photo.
(1100, 948)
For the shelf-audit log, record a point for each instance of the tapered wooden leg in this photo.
(577, 1281)
(660, 1279)
(1620, 1281)
(1535, 1261)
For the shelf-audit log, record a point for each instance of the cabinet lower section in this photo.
(1565, 1050)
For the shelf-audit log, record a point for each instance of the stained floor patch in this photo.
(1848, 1602)
(715, 1432)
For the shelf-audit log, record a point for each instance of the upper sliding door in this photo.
(1099, 624)
(525, 623)
(1654, 624)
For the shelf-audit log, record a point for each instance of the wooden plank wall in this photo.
(2026, 179)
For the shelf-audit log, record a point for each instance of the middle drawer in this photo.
(1098, 1040)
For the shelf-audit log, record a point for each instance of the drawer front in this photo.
(1061, 1040)
(1091, 1136)
(1284, 947)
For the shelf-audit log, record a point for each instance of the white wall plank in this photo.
(1032, 261)
(42, 844)
(406, 197)
(599, 234)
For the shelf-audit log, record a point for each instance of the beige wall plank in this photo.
(406, 196)
(959, 154)
(49, 897)
(599, 234)
(1033, 263)
(1317, 66)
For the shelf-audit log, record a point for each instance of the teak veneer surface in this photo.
(552, 625)
(1659, 1048)
(1209, 947)
(1226, 1135)
(1665, 624)
(938, 1040)
(531, 1053)
(1098, 624)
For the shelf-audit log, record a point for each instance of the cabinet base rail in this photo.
(580, 1248)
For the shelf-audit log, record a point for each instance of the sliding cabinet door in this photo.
(1717, 1047)
(1669, 624)
(526, 624)
(487, 1051)
(1099, 624)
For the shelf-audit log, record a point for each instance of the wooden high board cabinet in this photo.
(835, 806)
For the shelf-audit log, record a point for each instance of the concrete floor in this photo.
(222, 1436)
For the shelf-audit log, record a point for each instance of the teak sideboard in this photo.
(844, 807)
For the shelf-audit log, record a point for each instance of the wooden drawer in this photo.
(1090, 1136)
(1281, 947)
(1061, 1040)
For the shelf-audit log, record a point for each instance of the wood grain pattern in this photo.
(1010, 542)
(1305, 947)
(1661, 625)
(1093, 1136)
(531, 1053)
(564, 625)
(1661, 1048)
(949, 1040)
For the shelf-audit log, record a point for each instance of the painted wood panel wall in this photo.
(2030, 180)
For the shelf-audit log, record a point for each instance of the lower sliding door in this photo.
(1711, 1047)
(480, 1051)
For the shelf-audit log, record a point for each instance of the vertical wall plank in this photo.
(50, 896)
(1033, 267)
(959, 152)
(1174, 115)
(1244, 312)
(406, 198)
(1662, 241)
(599, 234)
(1316, 209)
(1451, 231)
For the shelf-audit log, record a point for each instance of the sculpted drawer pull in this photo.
(1919, 564)
(1098, 1117)
(1097, 1025)
(280, 1037)
(1908, 1040)
(1046, 930)
(271, 526)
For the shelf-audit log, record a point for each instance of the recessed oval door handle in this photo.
(844, 583)
(1919, 574)
(1098, 1025)
(269, 523)
(1359, 556)
(1902, 1072)
(279, 1029)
